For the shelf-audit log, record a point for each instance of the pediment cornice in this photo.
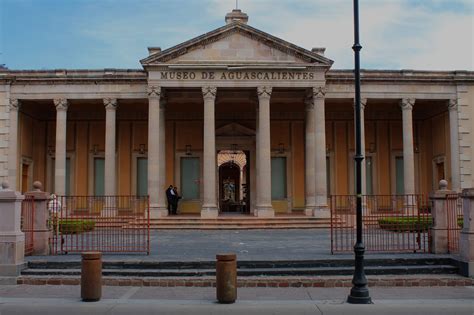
(199, 42)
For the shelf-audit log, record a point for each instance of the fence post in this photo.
(466, 239)
(439, 230)
(41, 233)
(12, 239)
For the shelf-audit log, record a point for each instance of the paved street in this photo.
(195, 245)
(24, 299)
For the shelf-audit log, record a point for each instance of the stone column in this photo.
(162, 201)
(157, 204)
(466, 239)
(310, 157)
(454, 137)
(439, 230)
(13, 143)
(322, 209)
(60, 153)
(12, 239)
(110, 180)
(209, 204)
(408, 152)
(41, 233)
(264, 166)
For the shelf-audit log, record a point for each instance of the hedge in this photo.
(406, 224)
(74, 226)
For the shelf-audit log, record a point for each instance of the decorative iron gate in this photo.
(391, 223)
(28, 223)
(109, 224)
(454, 221)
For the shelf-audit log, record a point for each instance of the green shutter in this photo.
(142, 176)
(400, 187)
(99, 175)
(368, 175)
(278, 178)
(190, 178)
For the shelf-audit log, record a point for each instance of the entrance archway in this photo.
(233, 181)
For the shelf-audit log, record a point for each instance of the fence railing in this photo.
(28, 223)
(454, 221)
(112, 224)
(391, 223)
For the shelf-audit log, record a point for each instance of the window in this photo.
(99, 174)
(68, 176)
(142, 176)
(278, 178)
(399, 177)
(190, 173)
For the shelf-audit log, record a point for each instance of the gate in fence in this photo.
(391, 223)
(109, 224)
(27, 225)
(454, 221)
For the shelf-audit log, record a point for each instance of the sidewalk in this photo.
(23, 299)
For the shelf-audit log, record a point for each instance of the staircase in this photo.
(238, 222)
(429, 271)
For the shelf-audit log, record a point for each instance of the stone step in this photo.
(244, 264)
(243, 272)
(235, 227)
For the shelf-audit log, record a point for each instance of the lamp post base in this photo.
(359, 296)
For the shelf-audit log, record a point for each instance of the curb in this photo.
(249, 282)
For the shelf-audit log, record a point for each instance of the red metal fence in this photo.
(391, 223)
(110, 224)
(454, 221)
(28, 222)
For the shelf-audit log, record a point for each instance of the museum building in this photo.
(239, 121)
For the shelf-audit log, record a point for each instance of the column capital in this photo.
(319, 92)
(154, 91)
(14, 104)
(61, 103)
(209, 92)
(407, 103)
(110, 103)
(264, 92)
(453, 104)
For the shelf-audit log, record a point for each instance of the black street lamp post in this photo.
(359, 292)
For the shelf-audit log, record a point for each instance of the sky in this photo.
(97, 34)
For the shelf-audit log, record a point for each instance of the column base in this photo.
(265, 212)
(322, 212)
(157, 212)
(209, 212)
(309, 211)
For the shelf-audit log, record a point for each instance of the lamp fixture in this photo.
(188, 149)
(281, 148)
(141, 148)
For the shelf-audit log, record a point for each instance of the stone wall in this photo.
(4, 130)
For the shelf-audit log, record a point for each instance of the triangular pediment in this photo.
(234, 130)
(236, 43)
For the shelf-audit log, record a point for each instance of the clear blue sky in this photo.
(78, 34)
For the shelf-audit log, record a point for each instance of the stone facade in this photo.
(235, 87)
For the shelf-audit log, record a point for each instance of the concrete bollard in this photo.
(226, 278)
(91, 276)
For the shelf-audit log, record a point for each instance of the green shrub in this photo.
(74, 226)
(460, 222)
(406, 224)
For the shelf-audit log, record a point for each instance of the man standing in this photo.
(176, 198)
(170, 197)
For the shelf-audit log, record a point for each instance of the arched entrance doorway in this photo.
(233, 187)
